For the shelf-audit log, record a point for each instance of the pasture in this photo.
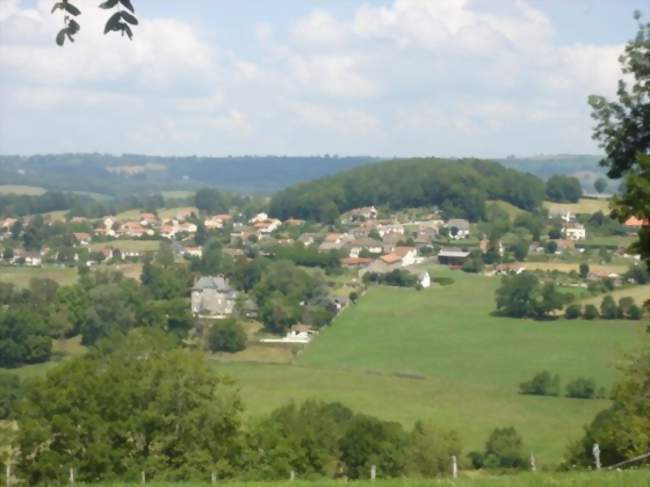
(639, 293)
(574, 266)
(584, 205)
(21, 190)
(440, 355)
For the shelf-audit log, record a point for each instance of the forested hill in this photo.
(458, 187)
(120, 175)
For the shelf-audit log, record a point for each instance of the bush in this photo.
(543, 384)
(591, 312)
(503, 449)
(227, 336)
(634, 312)
(581, 389)
(608, 308)
(573, 312)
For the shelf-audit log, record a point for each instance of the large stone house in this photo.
(212, 297)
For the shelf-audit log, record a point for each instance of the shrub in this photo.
(608, 308)
(227, 336)
(543, 384)
(591, 312)
(634, 312)
(503, 449)
(573, 312)
(581, 389)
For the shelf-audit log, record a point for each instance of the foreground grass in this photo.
(639, 478)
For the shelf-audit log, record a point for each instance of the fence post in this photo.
(8, 473)
(143, 477)
(214, 478)
(373, 472)
(596, 452)
(71, 476)
(454, 467)
(533, 467)
(292, 476)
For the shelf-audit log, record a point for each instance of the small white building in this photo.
(458, 228)
(574, 231)
(424, 280)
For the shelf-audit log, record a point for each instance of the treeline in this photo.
(139, 403)
(129, 173)
(459, 187)
(21, 205)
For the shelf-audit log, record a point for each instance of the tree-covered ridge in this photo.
(459, 187)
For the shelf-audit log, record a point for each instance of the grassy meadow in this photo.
(638, 478)
(22, 190)
(584, 205)
(129, 245)
(440, 355)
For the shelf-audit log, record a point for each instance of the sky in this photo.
(447, 78)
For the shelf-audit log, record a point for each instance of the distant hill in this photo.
(460, 187)
(585, 167)
(120, 175)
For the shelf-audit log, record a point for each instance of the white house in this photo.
(458, 228)
(574, 231)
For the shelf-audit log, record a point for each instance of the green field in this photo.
(21, 190)
(639, 293)
(585, 205)
(639, 478)
(439, 355)
(129, 245)
(20, 276)
(177, 194)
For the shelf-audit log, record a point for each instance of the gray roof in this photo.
(453, 253)
(219, 283)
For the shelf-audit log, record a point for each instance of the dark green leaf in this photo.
(71, 9)
(129, 18)
(69, 34)
(113, 23)
(108, 4)
(60, 37)
(127, 4)
(127, 29)
(73, 27)
(57, 5)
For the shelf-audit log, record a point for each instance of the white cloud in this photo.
(446, 77)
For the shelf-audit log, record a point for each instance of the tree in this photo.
(600, 185)
(210, 200)
(573, 311)
(591, 312)
(543, 384)
(11, 390)
(584, 270)
(429, 450)
(503, 449)
(134, 404)
(227, 336)
(608, 308)
(517, 297)
(369, 441)
(581, 389)
(623, 429)
(121, 21)
(622, 130)
(563, 189)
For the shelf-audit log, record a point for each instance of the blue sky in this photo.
(392, 77)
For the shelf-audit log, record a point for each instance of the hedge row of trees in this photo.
(545, 384)
(626, 309)
(459, 187)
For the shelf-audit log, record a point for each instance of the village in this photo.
(366, 243)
